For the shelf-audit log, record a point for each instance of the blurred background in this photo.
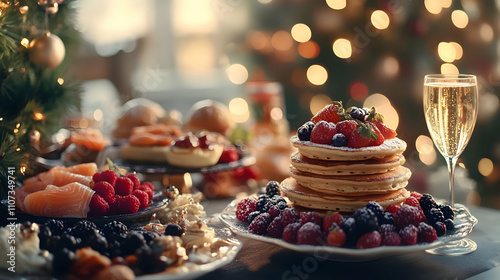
(307, 54)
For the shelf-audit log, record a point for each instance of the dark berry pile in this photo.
(367, 227)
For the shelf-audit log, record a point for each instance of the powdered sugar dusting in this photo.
(388, 144)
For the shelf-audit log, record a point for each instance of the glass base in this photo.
(455, 248)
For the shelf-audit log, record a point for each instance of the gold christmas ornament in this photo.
(47, 50)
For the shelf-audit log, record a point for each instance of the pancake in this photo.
(308, 198)
(329, 152)
(325, 167)
(355, 185)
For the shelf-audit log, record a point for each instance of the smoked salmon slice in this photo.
(90, 138)
(59, 178)
(71, 200)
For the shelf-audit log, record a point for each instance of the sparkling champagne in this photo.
(450, 113)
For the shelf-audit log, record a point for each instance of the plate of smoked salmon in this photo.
(77, 192)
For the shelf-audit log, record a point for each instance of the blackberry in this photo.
(82, 228)
(351, 231)
(450, 225)
(174, 230)
(97, 242)
(366, 220)
(427, 202)
(434, 215)
(62, 262)
(133, 242)
(339, 140)
(447, 211)
(55, 226)
(149, 262)
(252, 216)
(357, 113)
(53, 243)
(386, 219)
(68, 241)
(273, 188)
(114, 249)
(114, 228)
(45, 235)
(375, 208)
(262, 202)
(282, 205)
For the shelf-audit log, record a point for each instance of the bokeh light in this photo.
(433, 6)
(425, 148)
(390, 66)
(446, 52)
(239, 109)
(301, 33)
(485, 167)
(98, 115)
(342, 48)
(486, 32)
(258, 40)
(25, 42)
(318, 102)
(265, 1)
(358, 91)
(448, 68)
(384, 107)
(336, 4)
(276, 113)
(282, 40)
(446, 3)
(459, 18)
(317, 74)
(237, 74)
(459, 52)
(380, 19)
(309, 49)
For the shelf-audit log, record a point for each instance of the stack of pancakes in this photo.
(325, 177)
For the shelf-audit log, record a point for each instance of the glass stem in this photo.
(451, 162)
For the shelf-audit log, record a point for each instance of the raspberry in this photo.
(252, 216)
(427, 202)
(450, 225)
(375, 208)
(336, 237)
(355, 140)
(426, 233)
(388, 132)
(346, 127)
(245, 207)
(329, 113)
(323, 132)
(412, 201)
(312, 217)
(275, 229)
(288, 216)
(98, 206)
(434, 215)
(108, 176)
(96, 177)
(274, 211)
(259, 224)
(147, 184)
(114, 205)
(105, 190)
(409, 235)
(407, 215)
(386, 229)
(129, 204)
(310, 234)
(134, 180)
(147, 190)
(273, 188)
(416, 195)
(380, 138)
(440, 228)
(370, 239)
(448, 212)
(330, 218)
(391, 239)
(229, 154)
(290, 232)
(366, 220)
(387, 218)
(142, 196)
(124, 186)
(392, 208)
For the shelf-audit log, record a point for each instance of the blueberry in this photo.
(440, 228)
(174, 230)
(339, 140)
(304, 133)
(450, 225)
(252, 216)
(365, 220)
(386, 218)
(357, 113)
(351, 231)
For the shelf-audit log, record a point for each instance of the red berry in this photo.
(370, 239)
(149, 185)
(289, 216)
(105, 190)
(386, 229)
(97, 177)
(134, 180)
(412, 201)
(124, 186)
(312, 217)
(440, 228)
(336, 237)
(346, 127)
(290, 232)
(245, 207)
(229, 154)
(388, 132)
(329, 113)
(323, 132)
(275, 229)
(114, 205)
(98, 206)
(380, 138)
(391, 239)
(393, 208)
(146, 189)
(259, 224)
(274, 211)
(108, 176)
(310, 234)
(142, 196)
(409, 235)
(251, 172)
(355, 140)
(426, 233)
(330, 218)
(407, 215)
(417, 195)
(129, 204)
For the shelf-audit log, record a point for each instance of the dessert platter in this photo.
(346, 195)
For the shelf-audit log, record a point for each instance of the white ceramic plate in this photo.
(464, 223)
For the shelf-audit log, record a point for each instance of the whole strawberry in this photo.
(329, 113)
(323, 132)
(386, 131)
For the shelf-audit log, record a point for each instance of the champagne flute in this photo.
(450, 107)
